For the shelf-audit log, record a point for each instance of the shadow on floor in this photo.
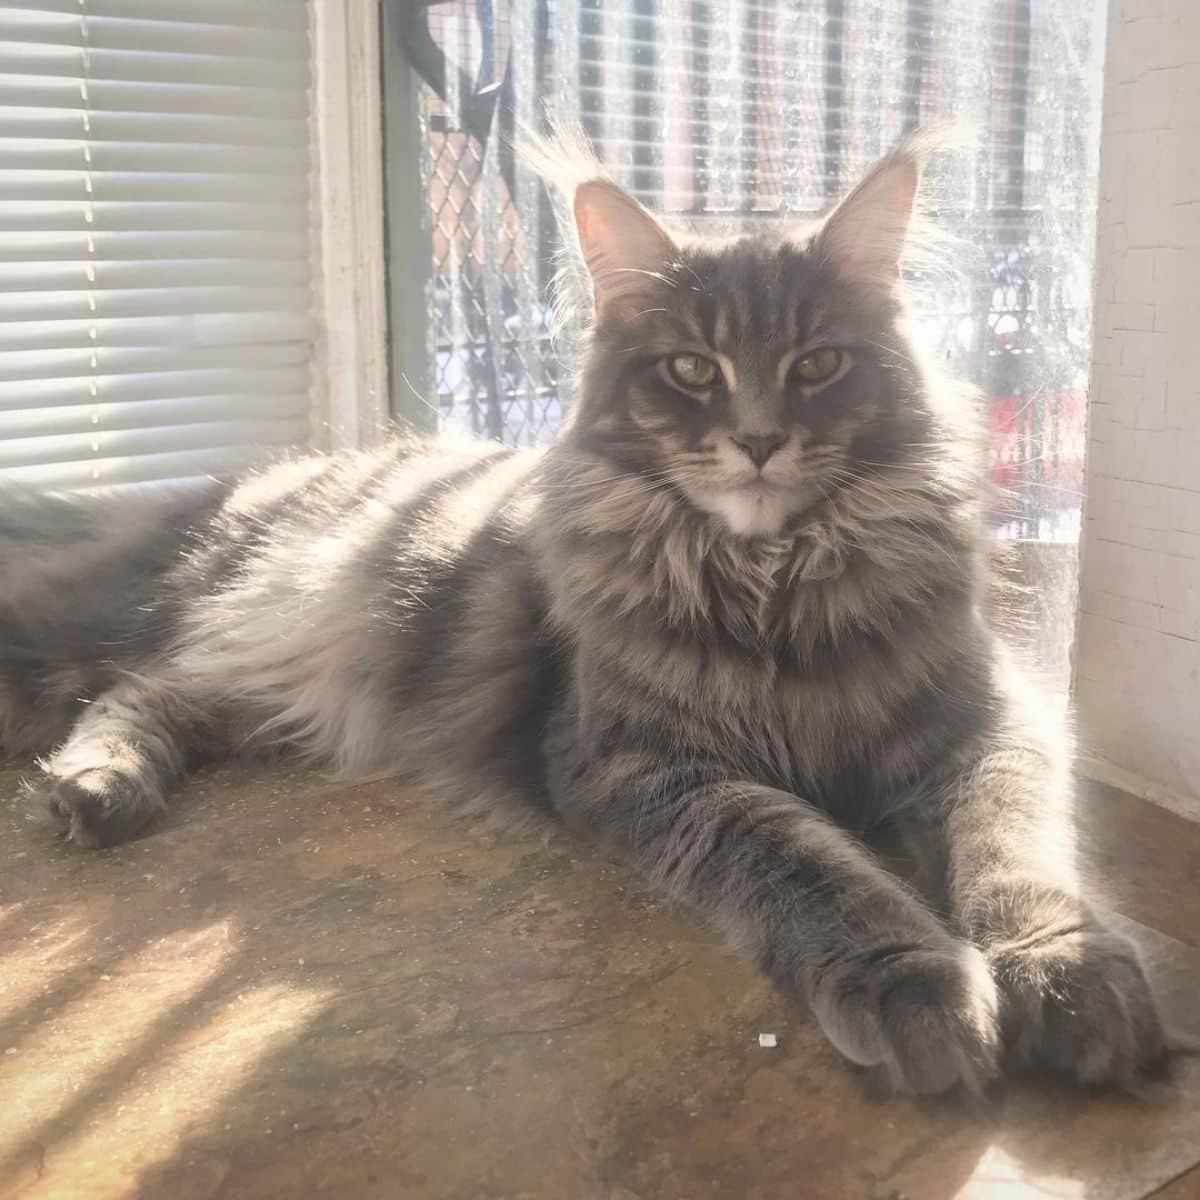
(299, 989)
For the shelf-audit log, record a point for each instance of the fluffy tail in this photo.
(81, 586)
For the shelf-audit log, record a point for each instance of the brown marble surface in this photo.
(299, 989)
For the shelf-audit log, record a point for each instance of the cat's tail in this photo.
(81, 579)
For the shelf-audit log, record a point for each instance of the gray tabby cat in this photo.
(735, 611)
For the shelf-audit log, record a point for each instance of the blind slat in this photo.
(174, 411)
(161, 37)
(159, 273)
(71, 154)
(266, 14)
(74, 306)
(120, 245)
(205, 329)
(219, 460)
(100, 128)
(71, 94)
(256, 380)
(37, 451)
(25, 58)
(149, 215)
(150, 185)
(99, 362)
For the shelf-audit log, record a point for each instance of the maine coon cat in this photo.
(737, 610)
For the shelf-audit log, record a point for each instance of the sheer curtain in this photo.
(746, 112)
(154, 237)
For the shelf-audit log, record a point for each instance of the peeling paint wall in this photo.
(1137, 669)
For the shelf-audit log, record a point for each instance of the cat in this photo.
(735, 612)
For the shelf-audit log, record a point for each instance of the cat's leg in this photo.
(1074, 994)
(125, 755)
(891, 987)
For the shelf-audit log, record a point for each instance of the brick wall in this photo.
(1137, 669)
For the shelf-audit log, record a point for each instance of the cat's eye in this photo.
(817, 366)
(692, 370)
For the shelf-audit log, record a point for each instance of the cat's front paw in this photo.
(1077, 1000)
(925, 1017)
(95, 808)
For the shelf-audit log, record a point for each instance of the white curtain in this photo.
(154, 237)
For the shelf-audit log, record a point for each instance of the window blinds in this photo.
(154, 237)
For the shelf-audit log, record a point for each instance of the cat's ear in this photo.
(626, 250)
(864, 237)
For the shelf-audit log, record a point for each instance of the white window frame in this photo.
(350, 389)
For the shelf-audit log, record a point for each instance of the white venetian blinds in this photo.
(154, 237)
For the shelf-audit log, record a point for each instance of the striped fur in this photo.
(723, 670)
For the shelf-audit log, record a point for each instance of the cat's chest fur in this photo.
(803, 663)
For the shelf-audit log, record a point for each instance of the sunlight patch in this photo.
(143, 1125)
(70, 1051)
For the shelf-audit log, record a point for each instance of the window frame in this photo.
(350, 393)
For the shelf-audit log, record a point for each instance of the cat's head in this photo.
(758, 375)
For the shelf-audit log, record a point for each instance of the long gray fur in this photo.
(718, 680)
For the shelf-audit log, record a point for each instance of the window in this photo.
(154, 237)
(732, 114)
(736, 113)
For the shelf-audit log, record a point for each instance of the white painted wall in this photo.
(1137, 669)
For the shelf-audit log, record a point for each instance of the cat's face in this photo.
(756, 376)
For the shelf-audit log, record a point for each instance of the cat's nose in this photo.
(758, 447)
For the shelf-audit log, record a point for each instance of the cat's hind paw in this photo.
(95, 808)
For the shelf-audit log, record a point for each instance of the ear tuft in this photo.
(864, 236)
(624, 247)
